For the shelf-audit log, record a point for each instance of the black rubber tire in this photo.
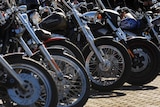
(151, 70)
(124, 74)
(79, 70)
(42, 73)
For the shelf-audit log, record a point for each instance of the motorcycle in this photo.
(68, 72)
(144, 53)
(25, 83)
(52, 40)
(148, 23)
(107, 62)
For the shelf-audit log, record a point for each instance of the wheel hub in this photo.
(106, 66)
(29, 95)
(140, 61)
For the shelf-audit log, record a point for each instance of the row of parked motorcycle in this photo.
(53, 52)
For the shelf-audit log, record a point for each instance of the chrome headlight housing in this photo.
(35, 17)
(92, 17)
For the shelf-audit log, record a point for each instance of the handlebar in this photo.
(12, 8)
(70, 5)
(155, 6)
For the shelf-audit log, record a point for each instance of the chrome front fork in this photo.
(10, 70)
(88, 34)
(42, 48)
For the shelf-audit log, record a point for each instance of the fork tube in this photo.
(86, 30)
(121, 35)
(90, 39)
(101, 4)
(25, 46)
(155, 34)
(6, 65)
(89, 36)
(152, 27)
(44, 51)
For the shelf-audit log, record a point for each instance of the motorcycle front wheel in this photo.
(116, 68)
(74, 88)
(145, 63)
(41, 88)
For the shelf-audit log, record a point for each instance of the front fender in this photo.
(137, 39)
(142, 41)
(10, 56)
(54, 39)
(54, 50)
(101, 38)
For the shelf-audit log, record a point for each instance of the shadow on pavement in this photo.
(132, 87)
(115, 93)
(97, 94)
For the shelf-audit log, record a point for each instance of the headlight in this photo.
(35, 17)
(92, 17)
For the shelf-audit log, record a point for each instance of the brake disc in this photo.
(31, 93)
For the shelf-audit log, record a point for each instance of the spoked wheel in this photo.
(74, 88)
(145, 64)
(114, 72)
(41, 90)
